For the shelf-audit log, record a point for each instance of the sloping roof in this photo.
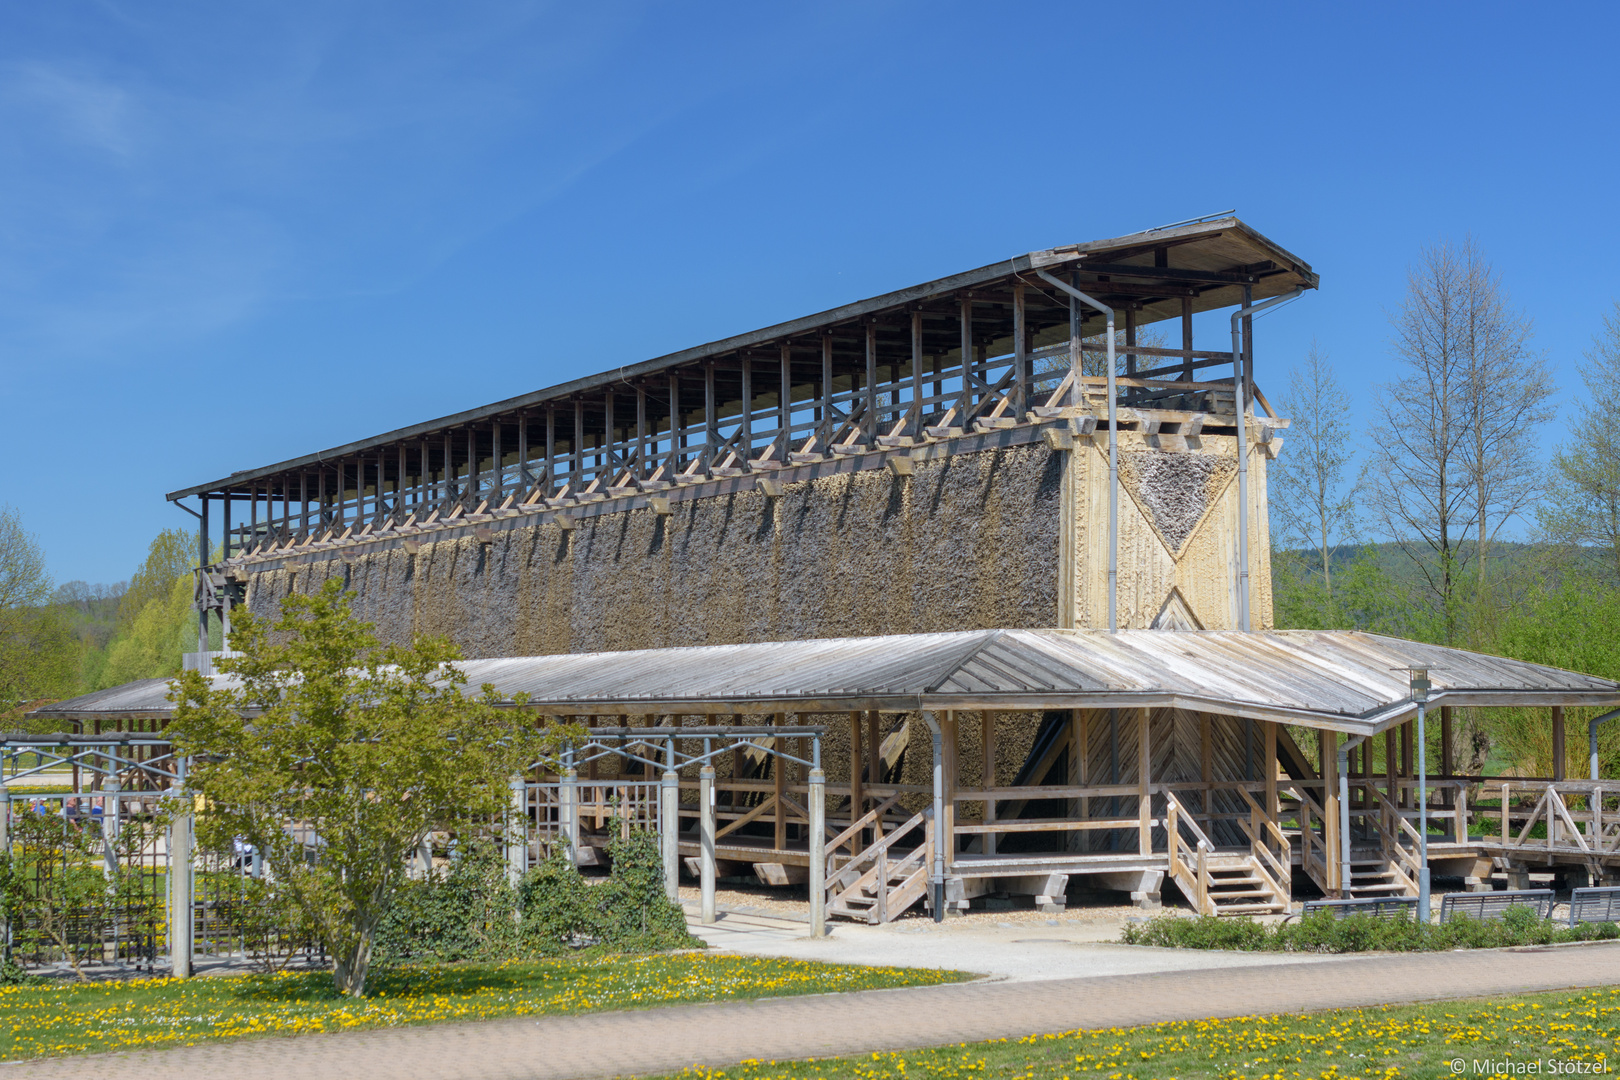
(1338, 680)
(1215, 260)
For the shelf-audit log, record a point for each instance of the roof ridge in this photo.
(992, 636)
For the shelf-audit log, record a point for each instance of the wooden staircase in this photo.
(880, 883)
(1220, 882)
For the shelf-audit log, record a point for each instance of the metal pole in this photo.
(1239, 378)
(1420, 693)
(5, 849)
(1113, 450)
(1345, 873)
(937, 871)
(517, 835)
(180, 883)
(706, 843)
(818, 848)
(670, 836)
(568, 806)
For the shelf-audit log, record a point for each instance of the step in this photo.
(1252, 909)
(1235, 895)
(1392, 887)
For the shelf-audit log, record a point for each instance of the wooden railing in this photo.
(880, 883)
(1189, 869)
(1562, 825)
(1264, 832)
(1393, 828)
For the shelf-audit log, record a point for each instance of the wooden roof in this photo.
(1151, 272)
(1336, 680)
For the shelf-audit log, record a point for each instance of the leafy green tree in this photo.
(335, 756)
(1581, 507)
(151, 645)
(37, 647)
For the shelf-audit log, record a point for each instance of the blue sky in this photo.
(233, 233)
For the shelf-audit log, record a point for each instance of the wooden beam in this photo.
(1272, 809)
(857, 794)
(1144, 781)
(987, 753)
(1559, 749)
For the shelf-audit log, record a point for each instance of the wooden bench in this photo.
(1379, 907)
(1594, 905)
(1493, 905)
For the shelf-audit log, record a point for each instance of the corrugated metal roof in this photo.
(1340, 680)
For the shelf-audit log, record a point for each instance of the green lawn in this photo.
(1419, 1041)
(54, 1019)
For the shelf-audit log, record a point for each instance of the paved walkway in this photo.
(1021, 952)
(664, 1040)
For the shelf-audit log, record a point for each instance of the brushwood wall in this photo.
(970, 540)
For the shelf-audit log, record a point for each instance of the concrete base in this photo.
(1473, 869)
(1048, 890)
(1143, 885)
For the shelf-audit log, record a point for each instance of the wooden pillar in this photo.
(745, 444)
(987, 739)
(1446, 757)
(1270, 761)
(874, 767)
(1130, 339)
(551, 451)
(914, 417)
(1406, 763)
(953, 758)
(1558, 749)
(675, 435)
(1144, 777)
(1080, 770)
(1328, 743)
(964, 403)
(640, 472)
(1187, 337)
(869, 423)
(1020, 355)
(1206, 767)
(857, 794)
(779, 782)
(824, 424)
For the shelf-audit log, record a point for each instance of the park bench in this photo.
(1493, 905)
(1379, 907)
(1594, 905)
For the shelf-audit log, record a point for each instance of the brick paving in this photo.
(668, 1039)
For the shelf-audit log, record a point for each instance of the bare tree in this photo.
(1582, 504)
(1508, 393)
(1312, 503)
(1448, 445)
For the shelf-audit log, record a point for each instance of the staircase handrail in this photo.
(1191, 876)
(1400, 859)
(1258, 826)
(864, 866)
(867, 819)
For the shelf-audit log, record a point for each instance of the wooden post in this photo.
(745, 442)
(824, 424)
(711, 421)
(1187, 337)
(869, 423)
(1329, 754)
(641, 471)
(857, 797)
(1144, 800)
(1020, 355)
(914, 417)
(1130, 339)
(676, 437)
(1206, 768)
(947, 833)
(784, 405)
(1080, 768)
(1558, 749)
(965, 321)
(987, 737)
(874, 768)
(1273, 811)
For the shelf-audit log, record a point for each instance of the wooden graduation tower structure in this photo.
(906, 485)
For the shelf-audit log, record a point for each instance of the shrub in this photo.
(472, 912)
(1320, 932)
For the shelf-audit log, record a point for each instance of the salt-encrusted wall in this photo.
(968, 541)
